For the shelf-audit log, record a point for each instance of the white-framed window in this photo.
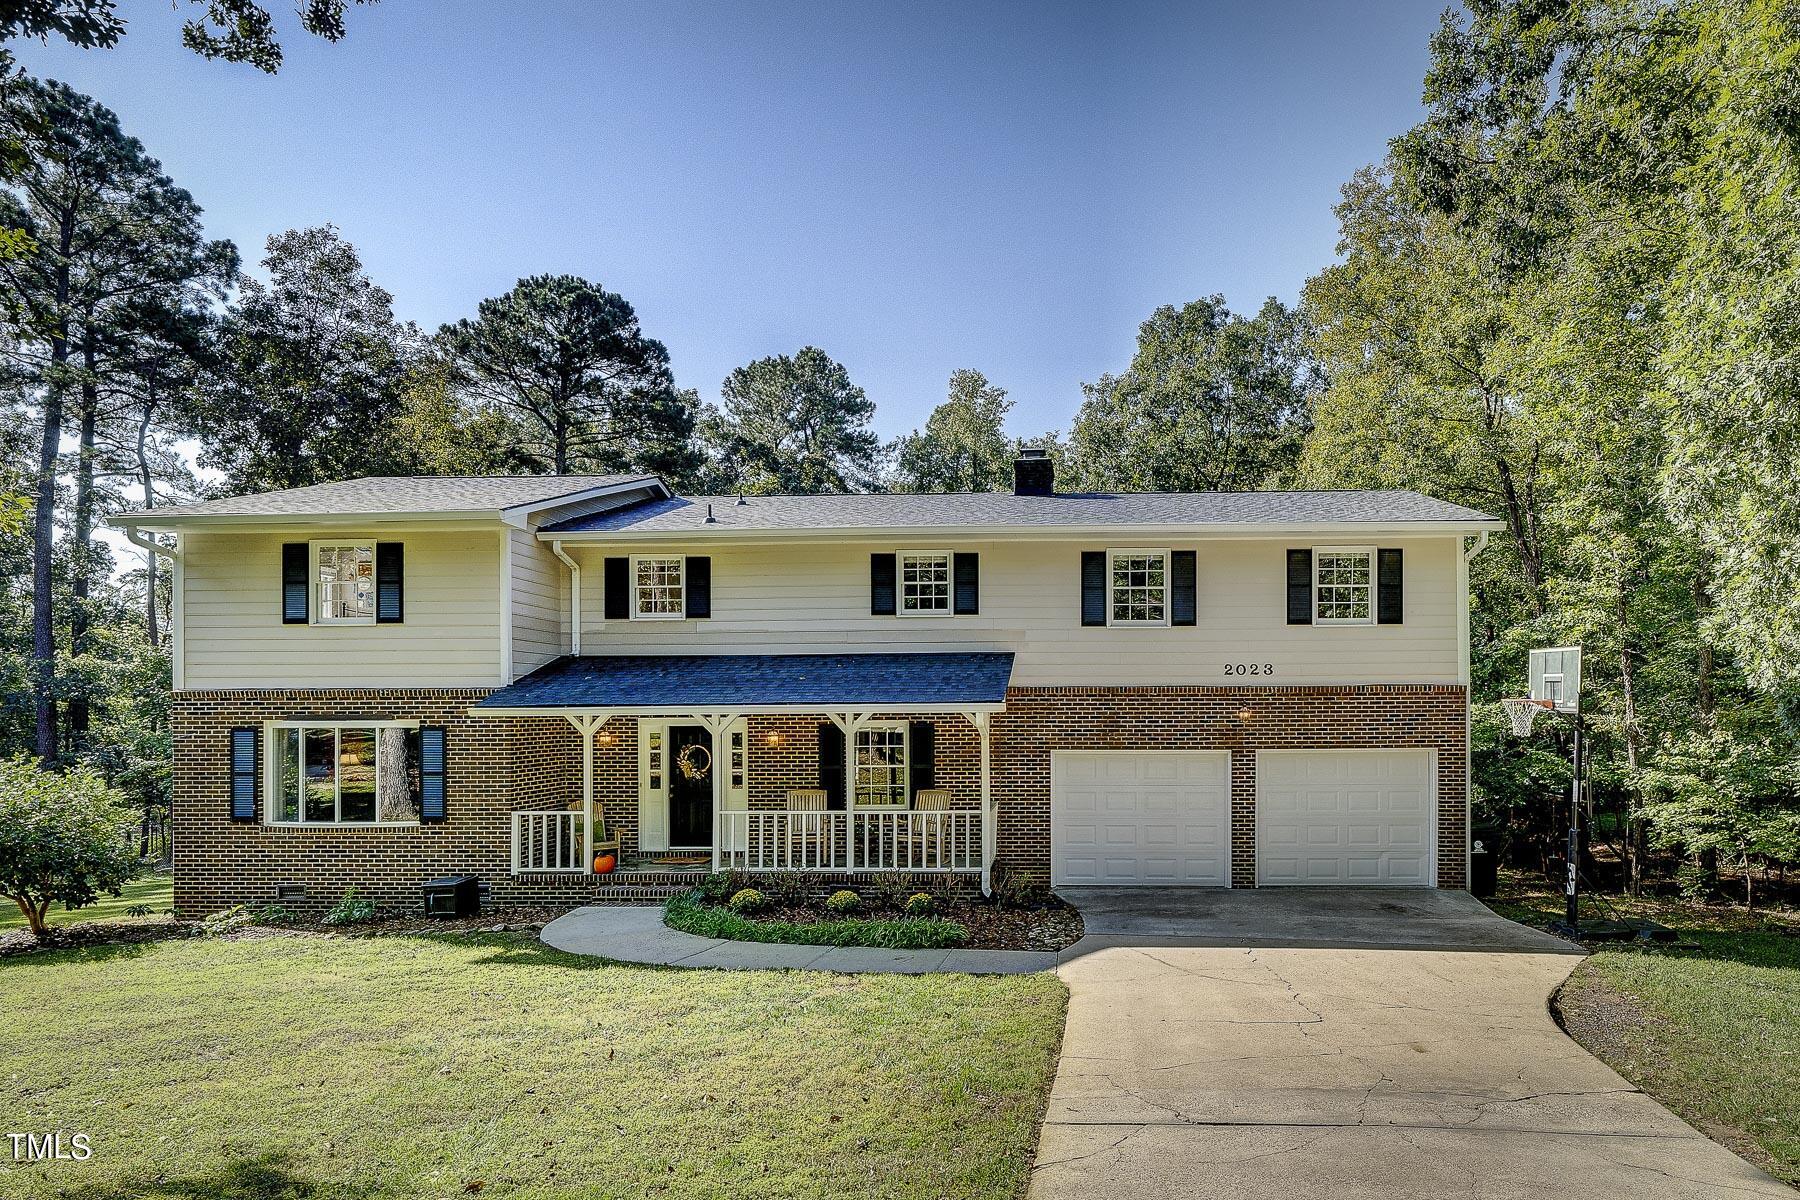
(356, 773)
(880, 764)
(658, 587)
(924, 579)
(1137, 587)
(1344, 585)
(343, 583)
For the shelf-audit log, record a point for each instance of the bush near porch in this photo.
(883, 915)
(1710, 1026)
(289, 1065)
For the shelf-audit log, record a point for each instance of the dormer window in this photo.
(344, 582)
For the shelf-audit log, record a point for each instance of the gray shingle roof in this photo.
(700, 681)
(687, 514)
(396, 494)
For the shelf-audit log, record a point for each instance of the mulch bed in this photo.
(990, 926)
(91, 933)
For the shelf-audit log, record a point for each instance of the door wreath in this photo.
(694, 761)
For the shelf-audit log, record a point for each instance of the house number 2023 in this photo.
(1249, 668)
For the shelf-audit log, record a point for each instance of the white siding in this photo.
(814, 597)
(234, 638)
(540, 604)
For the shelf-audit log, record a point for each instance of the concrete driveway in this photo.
(1341, 1043)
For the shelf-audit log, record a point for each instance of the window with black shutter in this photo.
(699, 586)
(968, 584)
(296, 588)
(1184, 602)
(831, 764)
(1390, 600)
(1093, 587)
(1299, 587)
(243, 774)
(432, 772)
(881, 585)
(390, 583)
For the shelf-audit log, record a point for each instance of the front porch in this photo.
(748, 765)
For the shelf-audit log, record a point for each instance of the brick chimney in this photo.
(1033, 472)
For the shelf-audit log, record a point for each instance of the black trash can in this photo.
(453, 896)
(1484, 863)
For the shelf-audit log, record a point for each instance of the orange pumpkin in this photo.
(604, 864)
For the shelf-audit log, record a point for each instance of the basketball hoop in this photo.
(1522, 712)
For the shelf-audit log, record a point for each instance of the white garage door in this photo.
(1140, 817)
(1344, 816)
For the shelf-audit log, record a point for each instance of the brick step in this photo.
(636, 893)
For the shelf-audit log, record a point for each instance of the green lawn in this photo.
(311, 1067)
(153, 889)
(1713, 1032)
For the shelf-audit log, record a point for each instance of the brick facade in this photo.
(497, 765)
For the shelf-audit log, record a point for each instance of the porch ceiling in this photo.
(965, 682)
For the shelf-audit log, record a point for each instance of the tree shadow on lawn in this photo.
(264, 1177)
(54, 955)
(1774, 949)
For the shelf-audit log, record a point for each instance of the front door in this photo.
(690, 787)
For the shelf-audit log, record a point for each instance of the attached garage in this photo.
(1123, 818)
(1345, 817)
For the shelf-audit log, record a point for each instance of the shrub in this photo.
(689, 913)
(720, 886)
(274, 914)
(920, 905)
(353, 909)
(59, 839)
(137, 910)
(226, 920)
(791, 886)
(1015, 888)
(892, 891)
(843, 902)
(748, 900)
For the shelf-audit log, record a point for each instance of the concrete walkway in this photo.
(636, 934)
(1367, 1043)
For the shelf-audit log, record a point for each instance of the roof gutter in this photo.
(1029, 532)
(139, 538)
(1481, 541)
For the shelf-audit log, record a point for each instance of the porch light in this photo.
(774, 739)
(1244, 715)
(607, 739)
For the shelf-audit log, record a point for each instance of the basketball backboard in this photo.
(1556, 677)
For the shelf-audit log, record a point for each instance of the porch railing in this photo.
(549, 840)
(784, 840)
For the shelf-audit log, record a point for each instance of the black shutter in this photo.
(390, 583)
(1300, 587)
(698, 584)
(921, 763)
(616, 583)
(831, 764)
(1184, 604)
(431, 773)
(294, 590)
(1390, 600)
(966, 571)
(881, 585)
(243, 773)
(1093, 587)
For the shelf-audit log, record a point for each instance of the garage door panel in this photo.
(1140, 817)
(1344, 817)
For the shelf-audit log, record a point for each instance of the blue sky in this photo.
(913, 188)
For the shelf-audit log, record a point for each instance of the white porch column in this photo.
(586, 726)
(716, 725)
(989, 831)
(850, 722)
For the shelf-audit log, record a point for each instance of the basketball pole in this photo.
(1572, 882)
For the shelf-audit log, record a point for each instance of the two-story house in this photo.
(385, 680)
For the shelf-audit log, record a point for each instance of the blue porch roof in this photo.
(695, 682)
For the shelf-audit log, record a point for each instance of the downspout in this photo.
(556, 548)
(1469, 555)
